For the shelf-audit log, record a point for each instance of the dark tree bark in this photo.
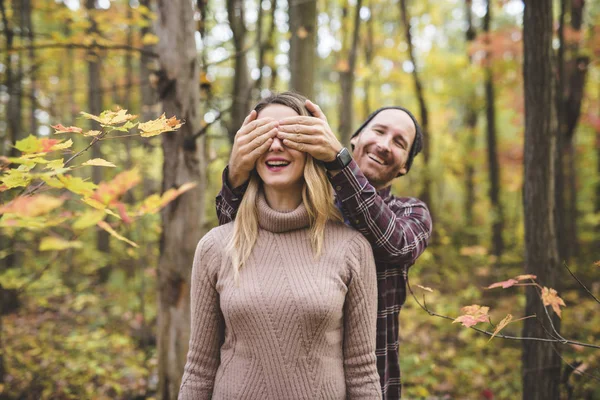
(240, 91)
(347, 81)
(27, 22)
(492, 151)
(303, 28)
(369, 52)
(271, 35)
(182, 219)
(95, 108)
(471, 116)
(571, 74)
(541, 364)
(423, 111)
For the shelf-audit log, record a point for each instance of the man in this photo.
(398, 228)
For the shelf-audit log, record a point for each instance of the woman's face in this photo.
(280, 167)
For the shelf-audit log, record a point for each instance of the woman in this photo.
(283, 299)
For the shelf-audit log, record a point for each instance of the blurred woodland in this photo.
(103, 198)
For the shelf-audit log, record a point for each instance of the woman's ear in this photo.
(353, 141)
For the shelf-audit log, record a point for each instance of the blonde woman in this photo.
(284, 299)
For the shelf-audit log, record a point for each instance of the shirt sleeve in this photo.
(207, 327)
(360, 319)
(229, 199)
(398, 232)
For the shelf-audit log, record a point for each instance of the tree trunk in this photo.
(423, 112)
(347, 82)
(471, 131)
(541, 364)
(303, 28)
(272, 29)
(369, 51)
(182, 219)
(95, 108)
(493, 164)
(571, 71)
(240, 91)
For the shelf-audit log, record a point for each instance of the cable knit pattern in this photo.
(293, 327)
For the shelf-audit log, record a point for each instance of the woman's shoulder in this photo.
(347, 238)
(216, 238)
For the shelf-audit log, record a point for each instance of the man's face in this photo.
(381, 149)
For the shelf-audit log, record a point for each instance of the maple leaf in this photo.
(88, 218)
(472, 315)
(501, 325)
(63, 129)
(110, 117)
(550, 298)
(158, 126)
(32, 206)
(98, 162)
(504, 284)
(32, 144)
(428, 289)
(77, 185)
(108, 192)
(524, 277)
(54, 243)
(92, 133)
(107, 228)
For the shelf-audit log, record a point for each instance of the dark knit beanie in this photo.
(417, 145)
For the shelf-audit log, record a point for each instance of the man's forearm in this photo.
(229, 199)
(398, 232)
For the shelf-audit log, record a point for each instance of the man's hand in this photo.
(310, 134)
(252, 140)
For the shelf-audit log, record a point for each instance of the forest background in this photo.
(95, 257)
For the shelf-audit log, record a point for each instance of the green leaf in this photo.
(55, 243)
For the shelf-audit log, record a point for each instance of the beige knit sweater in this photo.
(294, 327)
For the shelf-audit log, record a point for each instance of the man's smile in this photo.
(378, 160)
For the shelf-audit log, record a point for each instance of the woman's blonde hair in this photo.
(317, 196)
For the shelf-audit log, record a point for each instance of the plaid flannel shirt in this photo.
(398, 229)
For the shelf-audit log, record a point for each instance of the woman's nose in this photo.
(277, 145)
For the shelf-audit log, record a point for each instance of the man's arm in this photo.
(398, 232)
(229, 199)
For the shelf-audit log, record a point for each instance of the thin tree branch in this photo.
(582, 285)
(502, 336)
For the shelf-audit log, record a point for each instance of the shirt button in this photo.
(338, 188)
(357, 222)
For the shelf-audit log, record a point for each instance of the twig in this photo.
(582, 285)
(502, 336)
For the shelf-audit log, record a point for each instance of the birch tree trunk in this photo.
(182, 219)
(541, 364)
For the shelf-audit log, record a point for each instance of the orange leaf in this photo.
(108, 192)
(473, 315)
(32, 206)
(60, 128)
(501, 325)
(550, 298)
(503, 284)
(524, 277)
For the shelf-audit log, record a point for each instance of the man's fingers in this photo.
(257, 127)
(301, 129)
(260, 150)
(298, 137)
(250, 117)
(258, 140)
(311, 149)
(315, 110)
(300, 120)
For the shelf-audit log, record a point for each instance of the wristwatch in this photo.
(342, 159)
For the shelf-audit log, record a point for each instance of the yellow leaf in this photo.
(94, 203)
(53, 182)
(110, 230)
(77, 185)
(110, 117)
(501, 325)
(15, 178)
(99, 162)
(428, 289)
(88, 218)
(92, 133)
(158, 126)
(111, 212)
(149, 39)
(54, 243)
(56, 164)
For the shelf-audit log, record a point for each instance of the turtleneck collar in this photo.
(280, 221)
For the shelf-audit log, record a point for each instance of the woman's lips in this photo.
(277, 165)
